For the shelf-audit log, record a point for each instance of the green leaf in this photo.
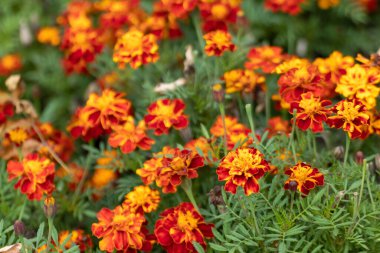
(198, 247)
(217, 247)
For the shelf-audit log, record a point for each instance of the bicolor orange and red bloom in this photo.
(164, 114)
(218, 42)
(311, 112)
(9, 64)
(6, 111)
(266, 58)
(35, 174)
(350, 115)
(242, 80)
(80, 126)
(292, 7)
(243, 167)
(303, 177)
(278, 125)
(77, 237)
(17, 135)
(142, 199)
(179, 227)
(121, 229)
(335, 65)
(49, 35)
(179, 8)
(108, 109)
(149, 171)
(128, 137)
(136, 49)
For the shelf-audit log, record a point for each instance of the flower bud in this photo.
(215, 196)
(359, 157)
(293, 185)
(339, 152)
(19, 228)
(218, 92)
(50, 207)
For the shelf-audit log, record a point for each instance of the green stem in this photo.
(315, 146)
(50, 223)
(248, 110)
(348, 140)
(364, 169)
(291, 141)
(370, 193)
(186, 186)
(223, 114)
(22, 208)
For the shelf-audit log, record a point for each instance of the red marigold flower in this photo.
(350, 115)
(218, 42)
(121, 229)
(242, 80)
(179, 226)
(293, 7)
(243, 167)
(164, 114)
(180, 8)
(109, 109)
(304, 178)
(277, 125)
(266, 58)
(36, 176)
(311, 112)
(142, 199)
(77, 237)
(136, 49)
(80, 126)
(9, 64)
(6, 111)
(128, 137)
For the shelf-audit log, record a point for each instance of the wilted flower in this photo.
(305, 177)
(19, 228)
(218, 42)
(142, 199)
(179, 227)
(242, 167)
(164, 114)
(36, 176)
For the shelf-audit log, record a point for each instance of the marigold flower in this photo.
(36, 176)
(179, 226)
(17, 136)
(180, 8)
(49, 35)
(266, 58)
(360, 82)
(350, 115)
(201, 146)
(335, 65)
(242, 80)
(136, 49)
(164, 114)
(150, 169)
(373, 61)
(77, 237)
(121, 229)
(368, 5)
(304, 177)
(142, 199)
(6, 111)
(218, 42)
(292, 7)
(105, 172)
(327, 4)
(107, 110)
(242, 167)
(9, 64)
(311, 112)
(291, 63)
(128, 137)
(374, 123)
(277, 125)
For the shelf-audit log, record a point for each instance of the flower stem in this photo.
(248, 109)
(22, 208)
(223, 114)
(315, 146)
(348, 140)
(186, 186)
(50, 223)
(291, 141)
(364, 169)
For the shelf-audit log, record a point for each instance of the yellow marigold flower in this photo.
(326, 4)
(242, 80)
(142, 199)
(17, 136)
(217, 42)
(359, 82)
(49, 35)
(292, 63)
(335, 65)
(136, 49)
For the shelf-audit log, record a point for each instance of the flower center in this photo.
(350, 113)
(301, 174)
(310, 106)
(186, 221)
(35, 167)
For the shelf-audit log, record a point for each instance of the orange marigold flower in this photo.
(179, 227)
(136, 49)
(266, 58)
(327, 4)
(335, 65)
(49, 35)
(360, 82)
(142, 199)
(121, 229)
(278, 125)
(218, 42)
(291, 63)
(105, 172)
(292, 7)
(311, 112)
(180, 8)
(164, 114)
(77, 237)
(242, 80)
(36, 176)
(17, 136)
(374, 123)
(303, 178)
(243, 167)
(128, 137)
(109, 109)
(149, 171)
(350, 115)
(9, 64)
(6, 111)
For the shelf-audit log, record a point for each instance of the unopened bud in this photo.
(218, 92)
(339, 152)
(293, 185)
(215, 196)
(50, 207)
(19, 228)
(359, 157)
(377, 162)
